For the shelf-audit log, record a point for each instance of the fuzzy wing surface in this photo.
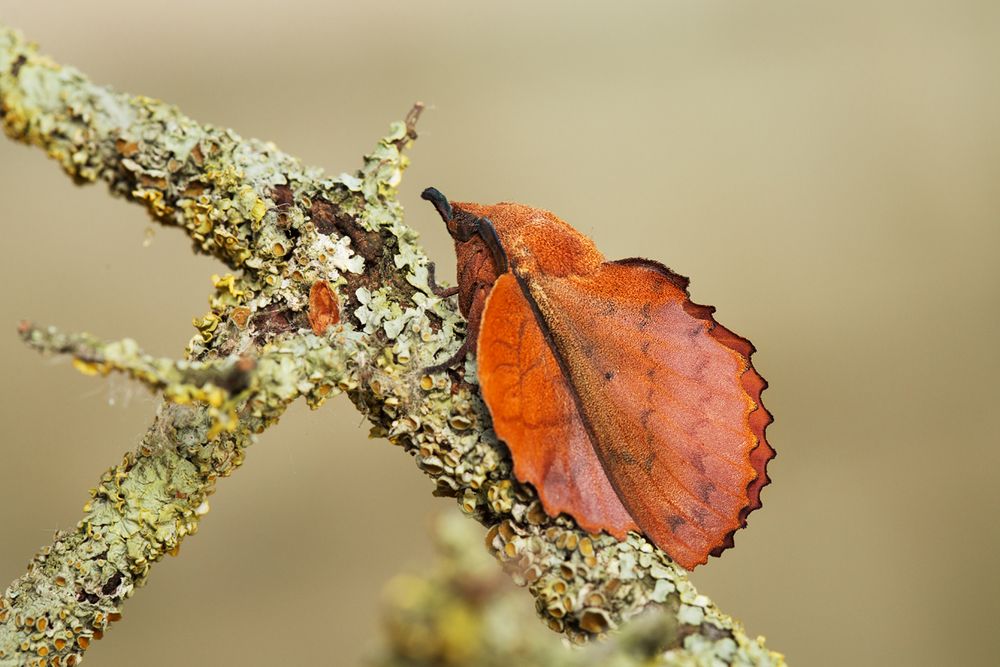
(535, 414)
(668, 398)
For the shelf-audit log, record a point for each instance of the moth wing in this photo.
(535, 414)
(669, 397)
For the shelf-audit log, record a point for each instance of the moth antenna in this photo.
(434, 196)
(489, 235)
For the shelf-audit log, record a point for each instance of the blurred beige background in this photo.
(827, 174)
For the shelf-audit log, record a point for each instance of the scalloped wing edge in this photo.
(758, 419)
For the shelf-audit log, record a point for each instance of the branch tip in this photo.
(412, 117)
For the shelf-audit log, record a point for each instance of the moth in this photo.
(625, 404)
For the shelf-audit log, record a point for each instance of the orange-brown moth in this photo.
(625, 405)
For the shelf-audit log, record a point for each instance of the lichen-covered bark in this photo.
(462, 612)
(281, 227)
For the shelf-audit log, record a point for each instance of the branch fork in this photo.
(281, 227)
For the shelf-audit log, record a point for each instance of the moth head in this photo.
(462, 225)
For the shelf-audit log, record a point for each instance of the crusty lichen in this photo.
(145, 506)
(280, 227)
(463, 613)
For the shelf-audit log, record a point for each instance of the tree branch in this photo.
(463, 612)
(281, 228)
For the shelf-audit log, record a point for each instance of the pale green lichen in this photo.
(281, 227)
(144, 507)
(462, 613)
(219, 384)
(139, 510)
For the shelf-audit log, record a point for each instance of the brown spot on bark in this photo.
(157, 182)
(380, 270)
(283, 199)
(194, 189)
(274, 320)
(329, 219)
(84, 596)
(112, 584)
(18, 63)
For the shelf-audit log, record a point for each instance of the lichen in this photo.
(461, 613)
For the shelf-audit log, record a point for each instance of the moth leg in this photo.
(453, 360)
(471, 336)
(443, 292)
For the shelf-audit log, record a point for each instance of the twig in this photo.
(463, 612)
